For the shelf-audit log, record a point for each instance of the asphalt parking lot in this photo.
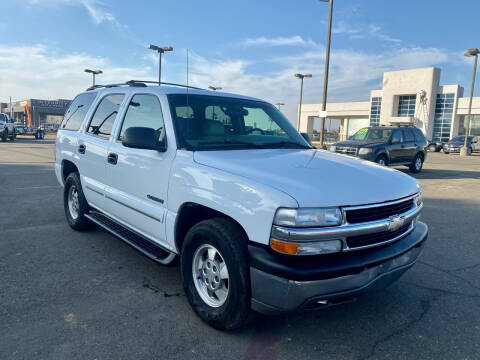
(75, 295)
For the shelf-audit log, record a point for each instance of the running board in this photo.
(139, 242)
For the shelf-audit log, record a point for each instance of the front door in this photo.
(93, 146)
(396, 148)
(136, 194)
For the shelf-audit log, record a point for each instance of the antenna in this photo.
(187, 70)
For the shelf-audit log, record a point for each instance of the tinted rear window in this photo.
(76, 112)
(408, 135)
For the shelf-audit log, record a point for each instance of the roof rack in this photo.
(139, 83)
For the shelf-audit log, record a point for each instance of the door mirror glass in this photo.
(143, 138)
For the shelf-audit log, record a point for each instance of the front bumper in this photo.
(285, 284)
(455, 149)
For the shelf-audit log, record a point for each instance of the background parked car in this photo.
(456, 143)
(435, 146)
(387, 145)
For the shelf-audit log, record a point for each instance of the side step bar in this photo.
(139, 242)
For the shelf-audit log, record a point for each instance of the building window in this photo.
(376, 106)
(443, 117)
(474, 125)
(406, 105)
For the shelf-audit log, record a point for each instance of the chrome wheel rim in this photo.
(73, 204)
(418, 163)
(381, 162)
(210, 275)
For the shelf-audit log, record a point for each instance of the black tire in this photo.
(229, 239)
(78, 222)
(445, 152)
(13, 136)
(469, 151)
(382, 160)
(417, 164)
(5, 135)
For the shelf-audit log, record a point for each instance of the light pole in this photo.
(160, 51)
(94, 72)
(325, 74)
(301, 76)
(470, 52)
(279, 104)
(215, 88)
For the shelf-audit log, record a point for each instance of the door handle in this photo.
(82, 148)
(112, 158)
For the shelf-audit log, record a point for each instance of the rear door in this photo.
(396, 147)
(137, 182)
(409, 144)
(93, 146)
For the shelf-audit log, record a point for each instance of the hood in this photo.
(357, 143)
(314, 177)
(457, 143)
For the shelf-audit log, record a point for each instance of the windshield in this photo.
(372, 134)
(462, 138)
(205, 122)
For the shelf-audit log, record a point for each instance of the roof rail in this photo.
(166, 83)
(139, 83)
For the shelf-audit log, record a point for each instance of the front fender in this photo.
(251, 204)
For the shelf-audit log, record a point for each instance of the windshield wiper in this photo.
(285, 143)
(232, 142)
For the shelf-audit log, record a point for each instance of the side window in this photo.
(105, 114)
(77, 110)
(408, 135)
(143, 111)
(397, 137)
(419, 137)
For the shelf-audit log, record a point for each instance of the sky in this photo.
(249, 47)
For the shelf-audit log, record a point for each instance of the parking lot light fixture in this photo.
(160, 51)
(279, 104)
(325, 73)
(301, 77)
(470, 52)
(94, 72)
(215, 88)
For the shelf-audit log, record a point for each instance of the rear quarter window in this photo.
(75, 114)
(419, 137)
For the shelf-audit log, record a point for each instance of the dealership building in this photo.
(407, 97)
(41, 111)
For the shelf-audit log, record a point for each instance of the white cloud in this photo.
(277, 41)
(38, 72)
(97, 9)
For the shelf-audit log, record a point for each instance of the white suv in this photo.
(259, 219)
(7, 128)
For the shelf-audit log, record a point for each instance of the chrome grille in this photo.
(347, 150)
(373, 213)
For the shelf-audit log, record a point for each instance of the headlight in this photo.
(419, 197)
(308, 217)
(364, 151)
(333, 148)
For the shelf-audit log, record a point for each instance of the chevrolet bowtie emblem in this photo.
(395, 222)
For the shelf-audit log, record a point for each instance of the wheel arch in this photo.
(191, 213)
(67, 168)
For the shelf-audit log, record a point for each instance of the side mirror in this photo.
(306, 137)
(143, 138)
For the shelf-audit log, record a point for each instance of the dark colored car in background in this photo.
(434, 146)
(387, 145)
(456, 143)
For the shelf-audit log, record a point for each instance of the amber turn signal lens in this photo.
(284, 247)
